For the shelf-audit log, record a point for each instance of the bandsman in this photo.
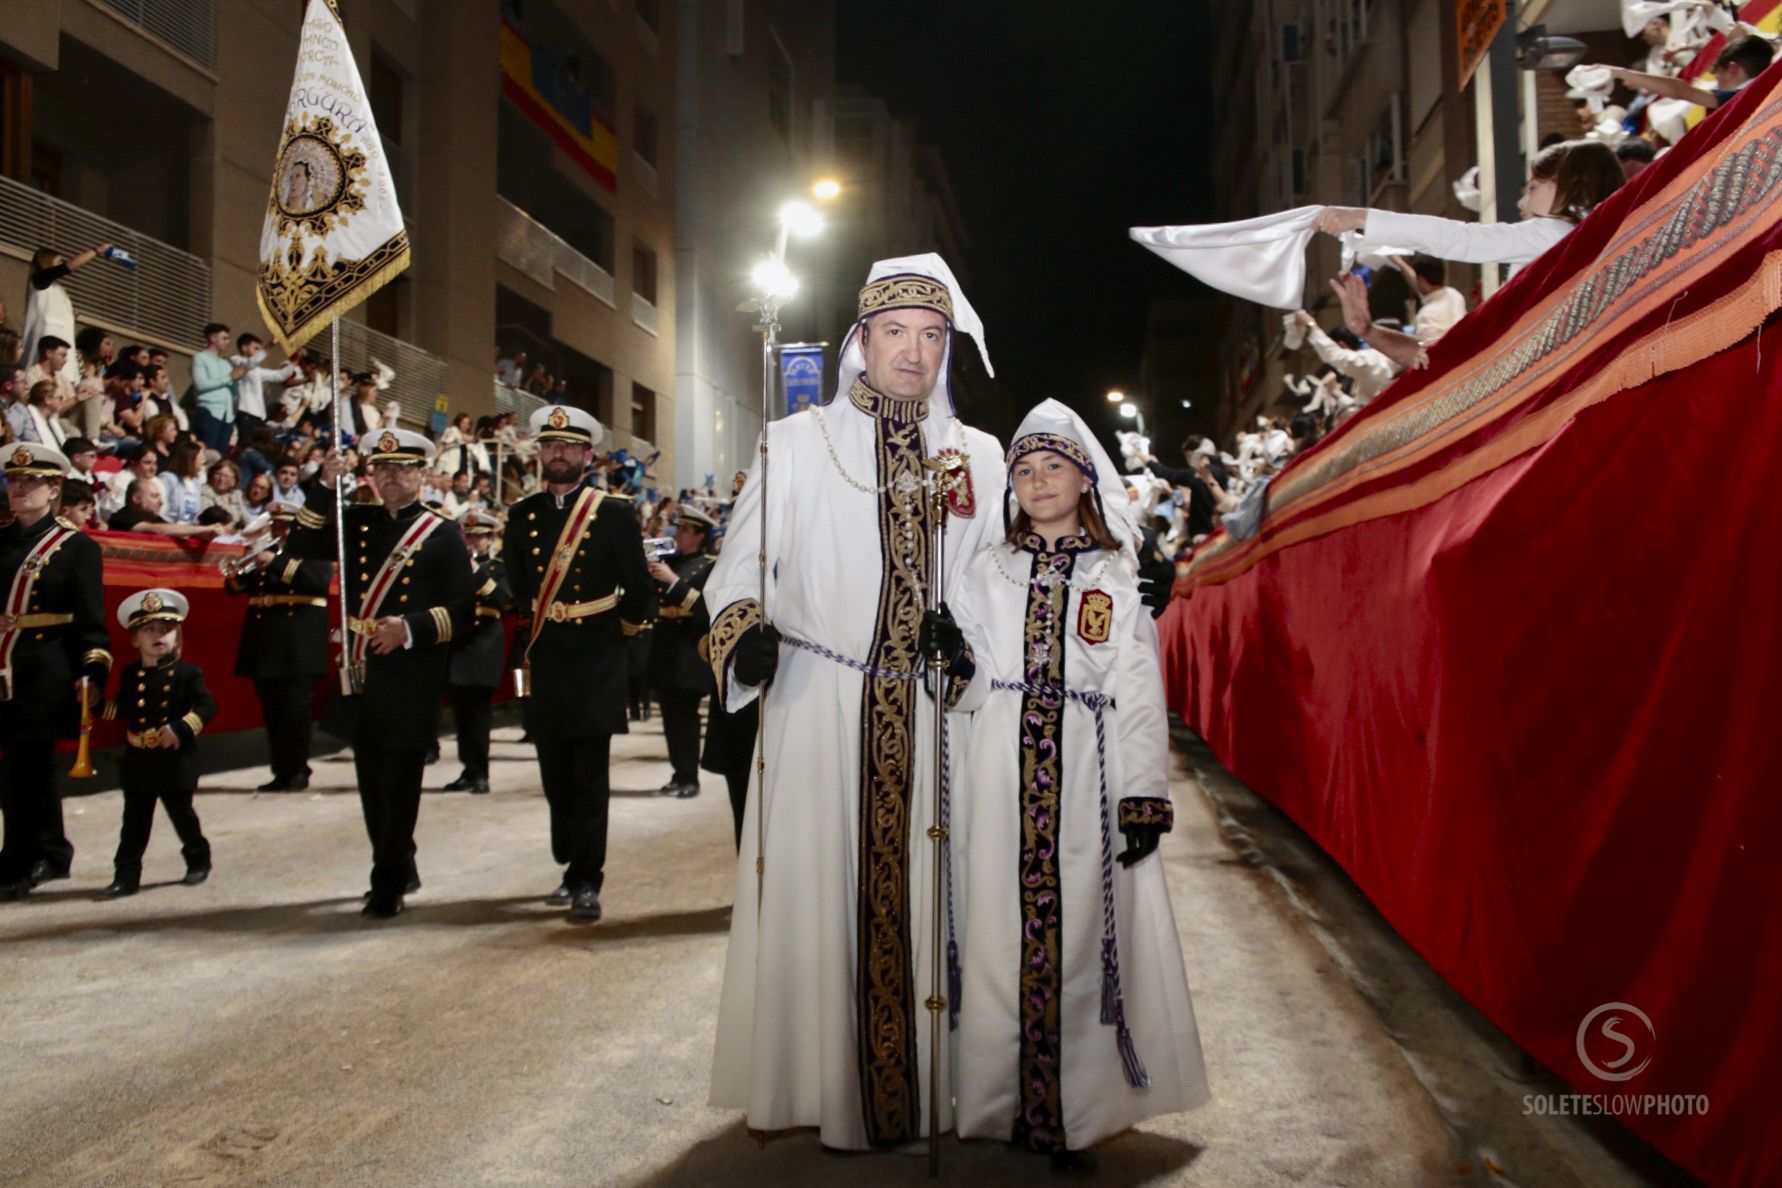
(408, 592)
(478, 659)
(53, 651)
(284, 644)
(164, 704)
(575, 558)
(679, 673)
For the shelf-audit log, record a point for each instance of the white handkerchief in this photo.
(1261, 259)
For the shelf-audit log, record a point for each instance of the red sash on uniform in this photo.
(575, 530)
(385, 580)
(19, 596)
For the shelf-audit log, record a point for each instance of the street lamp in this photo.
(1115, 396)
(826, 189)
(1130, 412)
(774, 281)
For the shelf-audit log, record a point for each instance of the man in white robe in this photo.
(824, 1020)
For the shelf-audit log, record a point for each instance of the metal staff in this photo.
(351, 682)
(942, 478)
(770, 337)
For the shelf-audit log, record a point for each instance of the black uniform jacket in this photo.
(478, 659)
(291, 638)
(171, 694)
(46, 661)
(433, 595)
(681, 623)
(579, 680)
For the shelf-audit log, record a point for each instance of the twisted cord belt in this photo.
(1113, 1001)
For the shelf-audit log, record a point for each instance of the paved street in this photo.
(256, 1030)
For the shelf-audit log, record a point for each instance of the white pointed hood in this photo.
(930, 285)
(1054, 426)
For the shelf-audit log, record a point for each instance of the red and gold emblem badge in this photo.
(559, 419)
(962, 498)
(22, 457)
(388, 443)
(151, 602)
(1095, 617)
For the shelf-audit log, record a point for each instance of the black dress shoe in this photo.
(561, 896)
(687, 791)
(463, 783)
(195, 875)
(585, 906)
(480, 786)
(414, 884)
(669, 789)
(432, 756)
(274, 785)
(299, 783)
(1075, 1164)
(119, 888)
(18, 890)
(43, 872)
(382, 907)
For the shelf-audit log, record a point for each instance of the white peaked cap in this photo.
(149, 606)
(396, 445)
(962, 317)
(1050, 419)
(565, 422)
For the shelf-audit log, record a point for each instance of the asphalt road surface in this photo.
(257, 1030)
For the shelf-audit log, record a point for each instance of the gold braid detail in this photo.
(727, 628)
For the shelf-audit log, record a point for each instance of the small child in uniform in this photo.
(164, 704)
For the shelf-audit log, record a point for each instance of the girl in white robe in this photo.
(1074, 1021)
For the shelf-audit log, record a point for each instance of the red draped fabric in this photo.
(1506, 647)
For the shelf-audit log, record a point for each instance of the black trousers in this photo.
(574, 773)
(31, 806)
(473, 711)
(140, 796)
(390, 795)
(285, 704)
(680, 725)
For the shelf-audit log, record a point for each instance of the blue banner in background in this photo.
(801, 367)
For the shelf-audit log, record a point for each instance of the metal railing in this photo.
(420, 375)
(643, 312)
(541, 254)
(165, 298)
(189, 26)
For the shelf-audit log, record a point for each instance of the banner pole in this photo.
(349, 683)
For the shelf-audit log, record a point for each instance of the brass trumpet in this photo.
(83, 758)
(257, 538)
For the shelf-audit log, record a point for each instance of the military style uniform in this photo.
(171, 693)
(283, 650)
(50, 578)
(477, 667)
(578, 663)
(390, 720)
(678, 673)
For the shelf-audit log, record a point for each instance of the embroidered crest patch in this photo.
(1095, 617)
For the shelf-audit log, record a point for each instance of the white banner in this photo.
(333, 231)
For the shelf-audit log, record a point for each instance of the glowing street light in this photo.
(1129, 410)
(773, 280)
(801, 219)
(826, 189)
(1115, 396)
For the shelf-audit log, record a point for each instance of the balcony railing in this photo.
(643, 313)
(542, 255)
(420, 375)
(189, 26)
(166, 298)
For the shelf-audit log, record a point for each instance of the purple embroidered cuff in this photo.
(1147, 812)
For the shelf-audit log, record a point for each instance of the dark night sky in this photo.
(1061, 124)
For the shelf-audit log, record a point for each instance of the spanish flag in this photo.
(550, 99)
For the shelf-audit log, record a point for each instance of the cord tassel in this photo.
(1136, 1076)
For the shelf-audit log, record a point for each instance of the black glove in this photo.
(1143, 820)
(941, 636)
(757, 655)
(1155, 581)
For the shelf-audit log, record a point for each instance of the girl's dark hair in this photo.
(1583, 173)
(1088, 512)
(185, 458)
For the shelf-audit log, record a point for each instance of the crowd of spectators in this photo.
(208, 462)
